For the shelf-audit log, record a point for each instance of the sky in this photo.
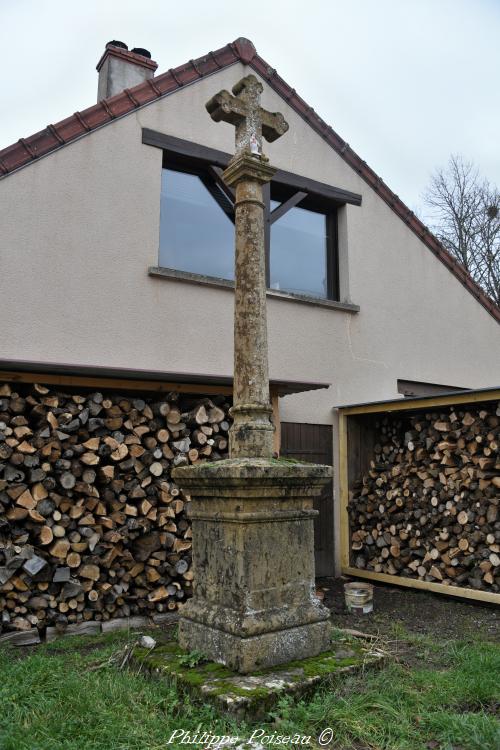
(405, 82)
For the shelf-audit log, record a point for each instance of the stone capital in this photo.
(248, 167)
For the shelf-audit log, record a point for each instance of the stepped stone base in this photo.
(254, 602)
(264, 650)
(253, 696)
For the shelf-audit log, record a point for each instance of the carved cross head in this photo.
(243, 110)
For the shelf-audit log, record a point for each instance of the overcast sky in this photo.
(405, 82)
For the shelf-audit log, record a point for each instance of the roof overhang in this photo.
(92, 376)
(446, 398)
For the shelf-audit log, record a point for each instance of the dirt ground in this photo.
(418, 612)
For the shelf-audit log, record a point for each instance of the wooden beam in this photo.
(216, 174)
(410, 404)
(124, 384)
(343, 491)
(266, 196)
(118, 383)
(286, 206)
(206, 155)
(277, 423)
(415, 583)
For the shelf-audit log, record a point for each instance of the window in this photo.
(303, 247)
(290, 267)
(197, 231)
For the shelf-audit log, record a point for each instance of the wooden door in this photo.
(313, 443)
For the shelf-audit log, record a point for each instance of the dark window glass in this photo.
(195, 233)
(298, 258)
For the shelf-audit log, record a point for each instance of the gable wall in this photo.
(80, 228)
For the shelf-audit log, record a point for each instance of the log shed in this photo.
(92, 527)
(419, 486)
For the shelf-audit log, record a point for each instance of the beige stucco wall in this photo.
(80, 227)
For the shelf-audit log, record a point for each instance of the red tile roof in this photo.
(127, 55)
(242, 50)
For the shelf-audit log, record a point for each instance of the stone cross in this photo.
(251, 435)
(253, 603)
(243, 110)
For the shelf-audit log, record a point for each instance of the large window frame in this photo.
(290, 189)
(290, 198)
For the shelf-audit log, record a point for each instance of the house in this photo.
(116, 257)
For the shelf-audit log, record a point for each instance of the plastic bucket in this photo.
(359, 598)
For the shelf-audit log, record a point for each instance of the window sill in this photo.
(200, 279)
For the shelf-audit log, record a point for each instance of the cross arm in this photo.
(274, 125)
(242, 109)
(224, 106)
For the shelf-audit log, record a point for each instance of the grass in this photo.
(69, 695)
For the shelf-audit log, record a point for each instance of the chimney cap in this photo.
(116, 43)
(137, 56)
(141, 51)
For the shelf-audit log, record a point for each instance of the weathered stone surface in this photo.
(251, 121)
(258, 652)
(253, 552)
(251, 434)
(254, 695)
(254, 601)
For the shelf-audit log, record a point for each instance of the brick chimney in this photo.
(121, 69)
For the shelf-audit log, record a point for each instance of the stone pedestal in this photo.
(254, 603)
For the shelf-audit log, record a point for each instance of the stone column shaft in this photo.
(251, 374)
(251, 435)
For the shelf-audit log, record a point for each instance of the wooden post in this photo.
(344, 491)
(277, 424)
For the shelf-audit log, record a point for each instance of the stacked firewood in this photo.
(428, 506)
(92, 526)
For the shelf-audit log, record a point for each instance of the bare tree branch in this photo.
(465, 212)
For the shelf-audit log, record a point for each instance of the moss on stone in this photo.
(325, 663)
(216, 668)
(225, 687)
(233, 691)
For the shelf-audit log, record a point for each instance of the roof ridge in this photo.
(377, 183)
(55, 136)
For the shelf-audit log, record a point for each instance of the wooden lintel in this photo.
(407, 404)
(123, 384)
(179, 147)
(117, 383)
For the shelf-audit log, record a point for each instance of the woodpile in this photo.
(92, 526)
(428, 505)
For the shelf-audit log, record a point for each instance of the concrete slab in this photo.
(254, 695)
